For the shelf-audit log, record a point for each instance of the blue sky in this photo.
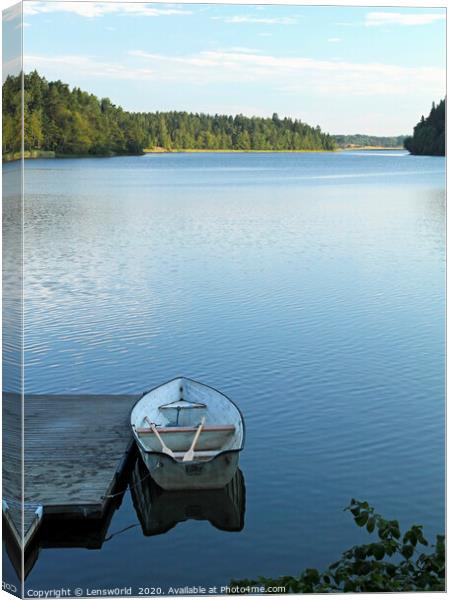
(348, 69)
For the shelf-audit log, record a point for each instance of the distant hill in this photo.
(429, 135)
(73, 122)
(359, 140)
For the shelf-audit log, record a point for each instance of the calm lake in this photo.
(309, 288)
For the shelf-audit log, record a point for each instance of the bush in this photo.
(391, 563)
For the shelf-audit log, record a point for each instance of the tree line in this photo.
(361, 140)
(429, 135)
(73, 122)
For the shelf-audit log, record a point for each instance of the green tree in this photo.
(71, 121)
(429, 135)
(243, 141)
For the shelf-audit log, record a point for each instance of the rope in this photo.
(132, 487)
(107, 539)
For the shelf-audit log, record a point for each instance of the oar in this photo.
(189, 455)
(165, 448)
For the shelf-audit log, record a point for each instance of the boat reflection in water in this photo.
(159, 511)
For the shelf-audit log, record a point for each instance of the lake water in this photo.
(307, 287)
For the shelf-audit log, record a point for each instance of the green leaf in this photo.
(407, 551)
(378, 551)
(360, 553)
(395, 529)
(370, 524)
(410, 536)
(391, 546)
(361, 520)
(391, 570)
(312, 576)
(338, 577)
(423, 541)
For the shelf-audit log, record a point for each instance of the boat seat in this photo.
(225, 428)
(199, 454)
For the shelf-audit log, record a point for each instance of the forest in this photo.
(429, 135)
(360, 140)
(73, 122)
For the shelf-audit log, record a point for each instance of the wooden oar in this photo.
(189, 455)
(165, 448)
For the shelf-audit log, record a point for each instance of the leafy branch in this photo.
(392, 562)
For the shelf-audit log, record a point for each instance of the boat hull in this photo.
(173, 475)
(184, 415)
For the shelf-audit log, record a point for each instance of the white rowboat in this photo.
(188, 434)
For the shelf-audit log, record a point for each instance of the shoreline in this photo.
(225, 151)
(231, 151)
(35, 154)
(352, 148)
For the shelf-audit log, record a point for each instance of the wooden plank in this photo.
(75, 447)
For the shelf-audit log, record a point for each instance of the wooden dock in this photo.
(75, 450)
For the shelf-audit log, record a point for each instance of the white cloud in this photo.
(334, 40)
(378, 19)
(260, 20)
(243, 49)
(294, 74)
(203, 59)
(288, 75)
(99, 9)
(62, 67)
